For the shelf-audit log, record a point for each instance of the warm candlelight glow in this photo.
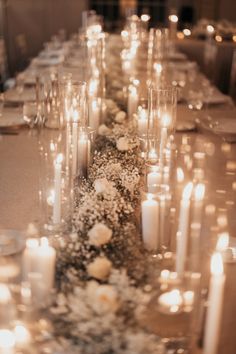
(217, 264)
(187, 32)
(32, 243)
(173, 18)
(223, 242)
(158, 68)
(7, 340)
(5, 295)
(218, 38)
(44, 242)
(171, 301)
(145, 18)
(180, 174)
(180, 35)
(199, 191)
(51, 198)
(22, 335)
(166, 120)
(75, 116)
(188, 298)
(210, 29)
(187, 191)
(59, 159)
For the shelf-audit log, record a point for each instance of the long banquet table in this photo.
(19, 181)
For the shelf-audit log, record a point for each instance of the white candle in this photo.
(74, 146)
(182, 234)
(142, 121)
(215, 302)
(83, 154)
(153, 181)
(150, 223)
(57, 190)
(94, 114)
(132, 101)
(39, 267)
(7, 342)
(199, 193)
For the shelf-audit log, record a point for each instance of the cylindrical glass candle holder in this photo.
(162, 104)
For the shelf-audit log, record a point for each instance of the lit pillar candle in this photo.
(39, 266)
(5, 305)
(153, 180)
(182, 234)
(94, 113)
(150, 221)
(215, 302)
(83, 154)
(132, 101)
(142, 121)
(74, 143)
(57, 191)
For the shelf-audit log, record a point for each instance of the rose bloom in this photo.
(122, 144)
(99, 235)
(100, 268)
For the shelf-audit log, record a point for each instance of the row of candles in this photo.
(82, 107)
(155, 121)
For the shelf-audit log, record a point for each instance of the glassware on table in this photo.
(195, 100)
(162, 106)
(155, 216)
(30, 113)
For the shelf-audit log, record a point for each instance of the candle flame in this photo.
(75, 116)
(44, 242)
(199, 191)
(5, 295)
(187, 191)
(51, 198)
(149, 196)
(210, 29)
(158, 68)
(223, 242)
(165, 273)
(173, 18)
(142, 113)
(180, 174)
(166, 120)
(59, 158)
(145, 18)
(217, 264)
(32, 243)
(22, 334)
(7, 339)
(186, 32)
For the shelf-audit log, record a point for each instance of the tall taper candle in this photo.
(215, 302)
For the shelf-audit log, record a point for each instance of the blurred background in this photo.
(26, 24)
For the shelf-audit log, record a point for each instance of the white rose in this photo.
(114, 110)
(100, 268)
(99, 235)
(105, 299)
(103, 130)
(122, 144)
(101, 185)
(120, 117)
